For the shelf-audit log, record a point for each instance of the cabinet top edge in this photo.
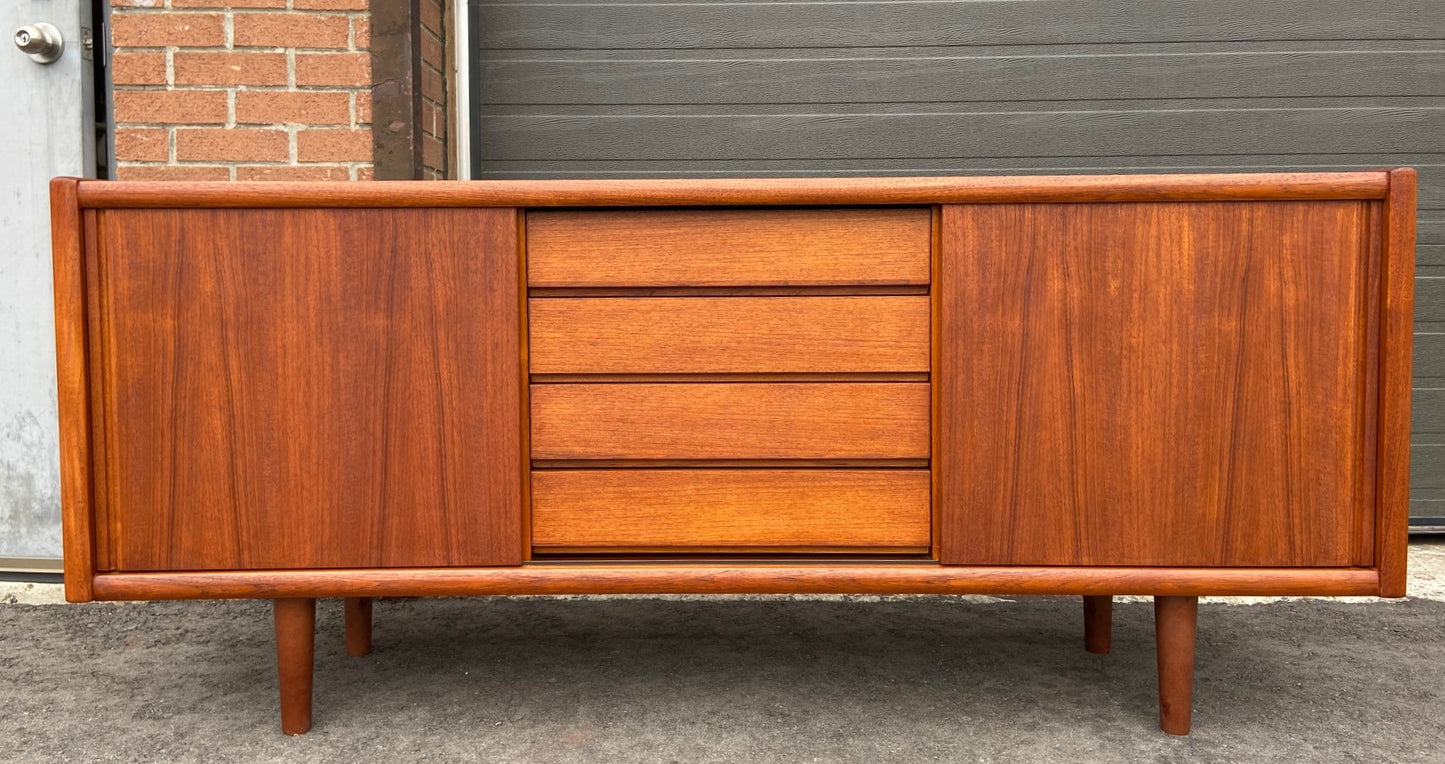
(105, 194)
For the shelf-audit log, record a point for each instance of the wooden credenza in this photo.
(1161, 385)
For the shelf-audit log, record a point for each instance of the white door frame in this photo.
(461, 89)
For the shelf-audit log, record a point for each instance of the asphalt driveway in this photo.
(728, 679)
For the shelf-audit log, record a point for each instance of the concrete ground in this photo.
(728, 679)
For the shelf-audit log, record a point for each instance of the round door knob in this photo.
(41, 42)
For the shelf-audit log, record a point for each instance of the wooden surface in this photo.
(73, 376)
(100, 464)
(739, 577)
(312, 388)
(727, 247)
(756, 509)
(1165, 398)
(1398, 281)
(805, 420)
(1159, 384)
(1175, 624)
(767, 423)
(736, 192)
(295, 653)
(1098, 623)
(728, 334)
(357, 614)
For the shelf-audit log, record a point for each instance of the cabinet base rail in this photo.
(728, 578)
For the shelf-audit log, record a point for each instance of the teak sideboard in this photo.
(1152, 385)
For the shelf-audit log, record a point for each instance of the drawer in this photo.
(763, 247)
(719, 510)
(786, 420)
(728, 334)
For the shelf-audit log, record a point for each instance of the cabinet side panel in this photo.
(1151, 384)
(72, 371)
(1397, 341)
(314, 388)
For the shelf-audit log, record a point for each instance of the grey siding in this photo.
(599, 88)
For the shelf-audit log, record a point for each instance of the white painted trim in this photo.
(461, 97)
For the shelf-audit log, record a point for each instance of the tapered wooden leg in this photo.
(295, 648)
(358, 626)
(1098, 623)
(1175, 620)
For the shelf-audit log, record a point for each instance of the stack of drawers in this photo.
(729, 381)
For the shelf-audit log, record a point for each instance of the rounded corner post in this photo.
(72, 376)
(1396, 350)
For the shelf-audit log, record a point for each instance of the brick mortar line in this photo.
(238, 49)
(239, 163)
(137, 10)
(272, 126)
(215, 88)
(351, 124)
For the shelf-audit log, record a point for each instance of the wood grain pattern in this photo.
(728, 334)
(357, 620)
(1372, 246)
(1098, 623)
(313, 388)
(811, 420)
(1175, 624)
(73, 374)
(1181, 187)
(1396, 343)
(691, 248)
(104, 530)
(1151, 384)
(731, 577)
(295, 620)
(524, 383)
(754, 509)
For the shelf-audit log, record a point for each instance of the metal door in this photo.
(46, 129)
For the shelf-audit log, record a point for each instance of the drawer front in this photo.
(661, 335)
(719, 510)
(763, 247)
(798, 420)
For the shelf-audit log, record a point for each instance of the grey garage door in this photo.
(599, 88)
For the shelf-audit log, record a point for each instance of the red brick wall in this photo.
(242, 89)
(434, 90)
